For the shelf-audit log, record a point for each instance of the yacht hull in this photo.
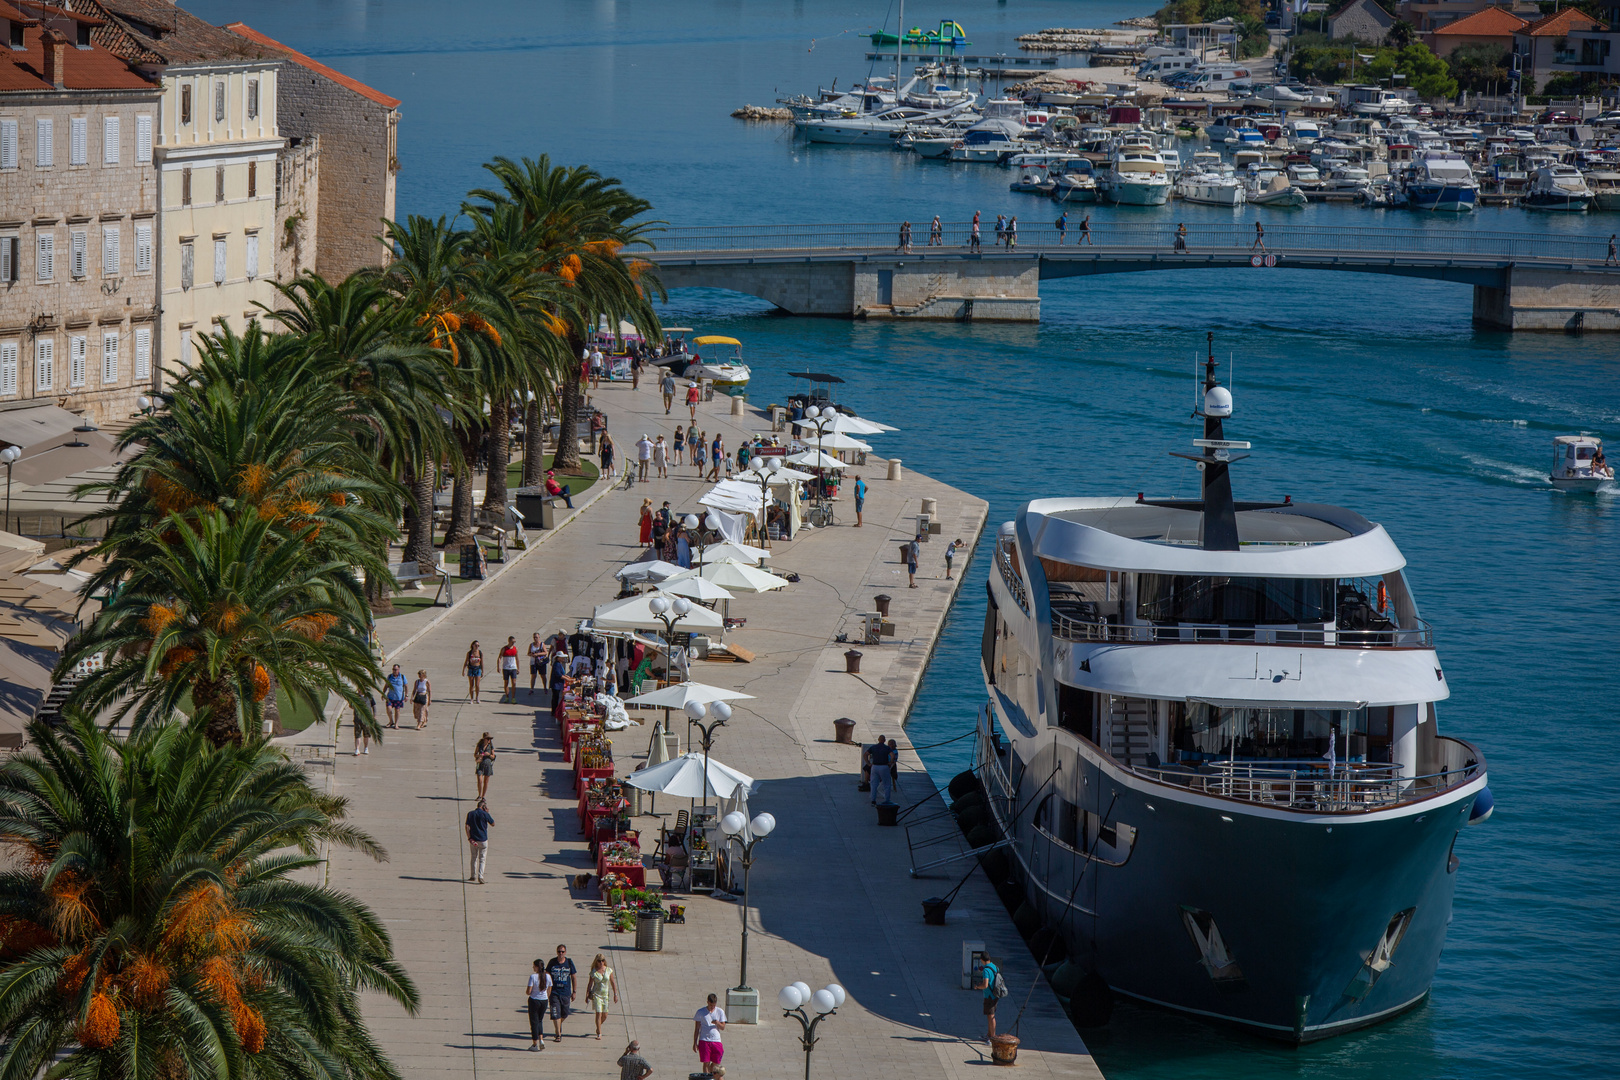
(1296, 904)
(1129, 194)
(1443, 198)
(1574, 204)
(836, 134)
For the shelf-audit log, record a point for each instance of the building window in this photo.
(109, 140)
(252, 255)
(143, 139)
(109, 357)
(44, 143)
(219, 101)
(8, 259)
(143, 249)
(78, 141)
(44, 363)
(45, 261)
(219, 262)
(78, 241)
(187, 265)
(253, 99)
(253, 180)
(109, 250)
(8, 367)
(8, 144)
(143, 353)
(185, 103)
(219, 184)
(77, 348)
(185, 187)
(17, 41)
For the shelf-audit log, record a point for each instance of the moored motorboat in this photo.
(1134, 176)
(1558, 187)
(728, 373)
(1579, 464)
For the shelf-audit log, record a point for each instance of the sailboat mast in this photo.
(899, 50)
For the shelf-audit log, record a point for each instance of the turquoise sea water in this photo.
(1372, 392)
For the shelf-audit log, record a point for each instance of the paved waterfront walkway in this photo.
(832, 899)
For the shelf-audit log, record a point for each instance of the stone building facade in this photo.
(1362, 20)
(358, 128)
(298, 220)
(78, 219)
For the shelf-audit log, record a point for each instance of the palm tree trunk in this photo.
(500, 453)
(567, 457)
(419, 517)
(461, 496)
(534, 447)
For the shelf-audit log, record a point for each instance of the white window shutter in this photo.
(8, 367)
(8, 144)
(44, 142)
(46, 265)
(109, 358)
(77, 348)
(187, 268)
(109, 250)
(76, 246)
(109, 140)
(44, 364)
(143, 353)
(143, 139)
(143, 249)
(253, 255)
(219, 262)
(79, 152)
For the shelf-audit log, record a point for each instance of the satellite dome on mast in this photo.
(1218, 401)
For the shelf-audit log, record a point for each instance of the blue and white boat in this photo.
(1212, 752)
(1441, 180)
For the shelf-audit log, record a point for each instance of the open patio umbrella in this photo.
(735, 576)
(652, 570)
(849, 425)
(683, 777)
(681, 695)
(741, 552)
(837, 441)
(634, 613)
(815, 459)
(695, 588)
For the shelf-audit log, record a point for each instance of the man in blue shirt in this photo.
(987, 980)
(882, 770)
(478, 823)
(860, 498)
(563, 989)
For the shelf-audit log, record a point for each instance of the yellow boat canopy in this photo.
(709, 339)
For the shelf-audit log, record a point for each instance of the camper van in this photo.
(1221, 78)
(1167, 62)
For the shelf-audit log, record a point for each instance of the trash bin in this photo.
(852, 662)
(934, 909)
(888, 813)
(535, 506)
(650, 931)
(882, 602)
(844, 730)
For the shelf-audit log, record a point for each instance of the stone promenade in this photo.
(832, 899)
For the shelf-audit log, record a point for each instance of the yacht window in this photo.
(1077, 711)
(1293, 734)
(1172, 598)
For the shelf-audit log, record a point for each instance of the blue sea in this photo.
(1373, 392)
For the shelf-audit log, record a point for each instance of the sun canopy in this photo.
(652, 570)
(815, 459)
(814, 376)
(849, 425)
(836, 440)
(739, 577)
(634, 614)
(745, 553)
(683, 777)
(695, 588)
(714, 339)
(683, 694)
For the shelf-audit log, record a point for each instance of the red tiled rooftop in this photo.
(1491, 22)
(83, 69)
(315, 65)
(1562, 23)
(9, 12)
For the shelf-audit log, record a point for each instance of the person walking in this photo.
(693, 441)
(645, 535)
(394, 696)
(596, 369)
(912, 554)
(973, 234)
(558, 682)
(362, 733)
(667, 385)
(636, 363)
(563, 989)
(1001, 229)
(1613, 259)
(632, 1066)
(699, 450)
(717, 450)
(1062, 224)
(936, 233)
(644, 449)
(860, 498)
(995, 988)
(484, 763)
(1012, 232)
(537, 656)
(1259, 238)
(601, 982)
(1181, 237)
(421, 698)
(509, 670)
(1085, 232)
(539, 989)
(605, 451)
(905, 237)
(693, 395)
(677, 445)
(661, 458)
(882, 773)
(707, 1025)
(478, 825)
(950, 554)
(473, 667)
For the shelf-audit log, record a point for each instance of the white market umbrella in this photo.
(837, 441)
(652, 570)
(694, 587)
(849, 425)
(745, 553)
(635, 614)
(815, 459)
(736, 577)
(683, 777)
(681, 695)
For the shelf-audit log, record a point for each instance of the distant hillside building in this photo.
(1362, 20)
(358, 129)
(1492, 26)
(1569, 41)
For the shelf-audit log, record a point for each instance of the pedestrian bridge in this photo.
(1521, 280)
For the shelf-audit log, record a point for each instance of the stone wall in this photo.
(63, 199)
(358, 162)
(298, 178)
(1551, 300)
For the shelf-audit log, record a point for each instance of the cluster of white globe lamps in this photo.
(799, 995)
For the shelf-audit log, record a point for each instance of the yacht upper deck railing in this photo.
(1071, 628)
(1015, 583)
(1310, 784)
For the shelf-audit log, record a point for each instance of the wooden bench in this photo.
(405, 572)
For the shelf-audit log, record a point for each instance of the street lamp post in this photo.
(695, 711)
(746, 833)
(9, 455)
(822, 418)
(762, 470)
(795, 998)
(669, 612)
(710, 521)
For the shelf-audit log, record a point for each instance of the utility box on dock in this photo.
(973, 958)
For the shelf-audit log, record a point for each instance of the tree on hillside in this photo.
(1481, 68)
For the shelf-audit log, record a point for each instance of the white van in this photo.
(1219, 79)
(1157, 67)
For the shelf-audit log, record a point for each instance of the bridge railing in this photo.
(1466, 244)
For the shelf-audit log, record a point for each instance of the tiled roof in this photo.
(314, 65)
(83, 69)
(1490, 22)
(172, 34)
(11, 13)
(1562, 23)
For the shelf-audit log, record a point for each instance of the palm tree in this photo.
(578, 223)
(150, 924)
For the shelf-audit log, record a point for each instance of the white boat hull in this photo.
(1580, 483)
(836, 134)
(1213, 194)
(1134, 194)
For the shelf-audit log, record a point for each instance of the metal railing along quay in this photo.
(1406, 245)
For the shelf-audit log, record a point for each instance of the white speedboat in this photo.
(1134, 176)
(1578, 464)
(990, 140)
(1076, 183)
(868, 129)
(1605, 186)
(727, 372)
(1558, 187)
(1033, 180)
(1212, 188)
(1268, 187)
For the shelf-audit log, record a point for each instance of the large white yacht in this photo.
(1135, 175)
(1211, 752)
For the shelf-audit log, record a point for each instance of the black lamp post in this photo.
(795, 998)
(9, 455)
(746, 833)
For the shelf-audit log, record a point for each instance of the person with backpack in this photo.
(1062, 226)
(995, 988)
